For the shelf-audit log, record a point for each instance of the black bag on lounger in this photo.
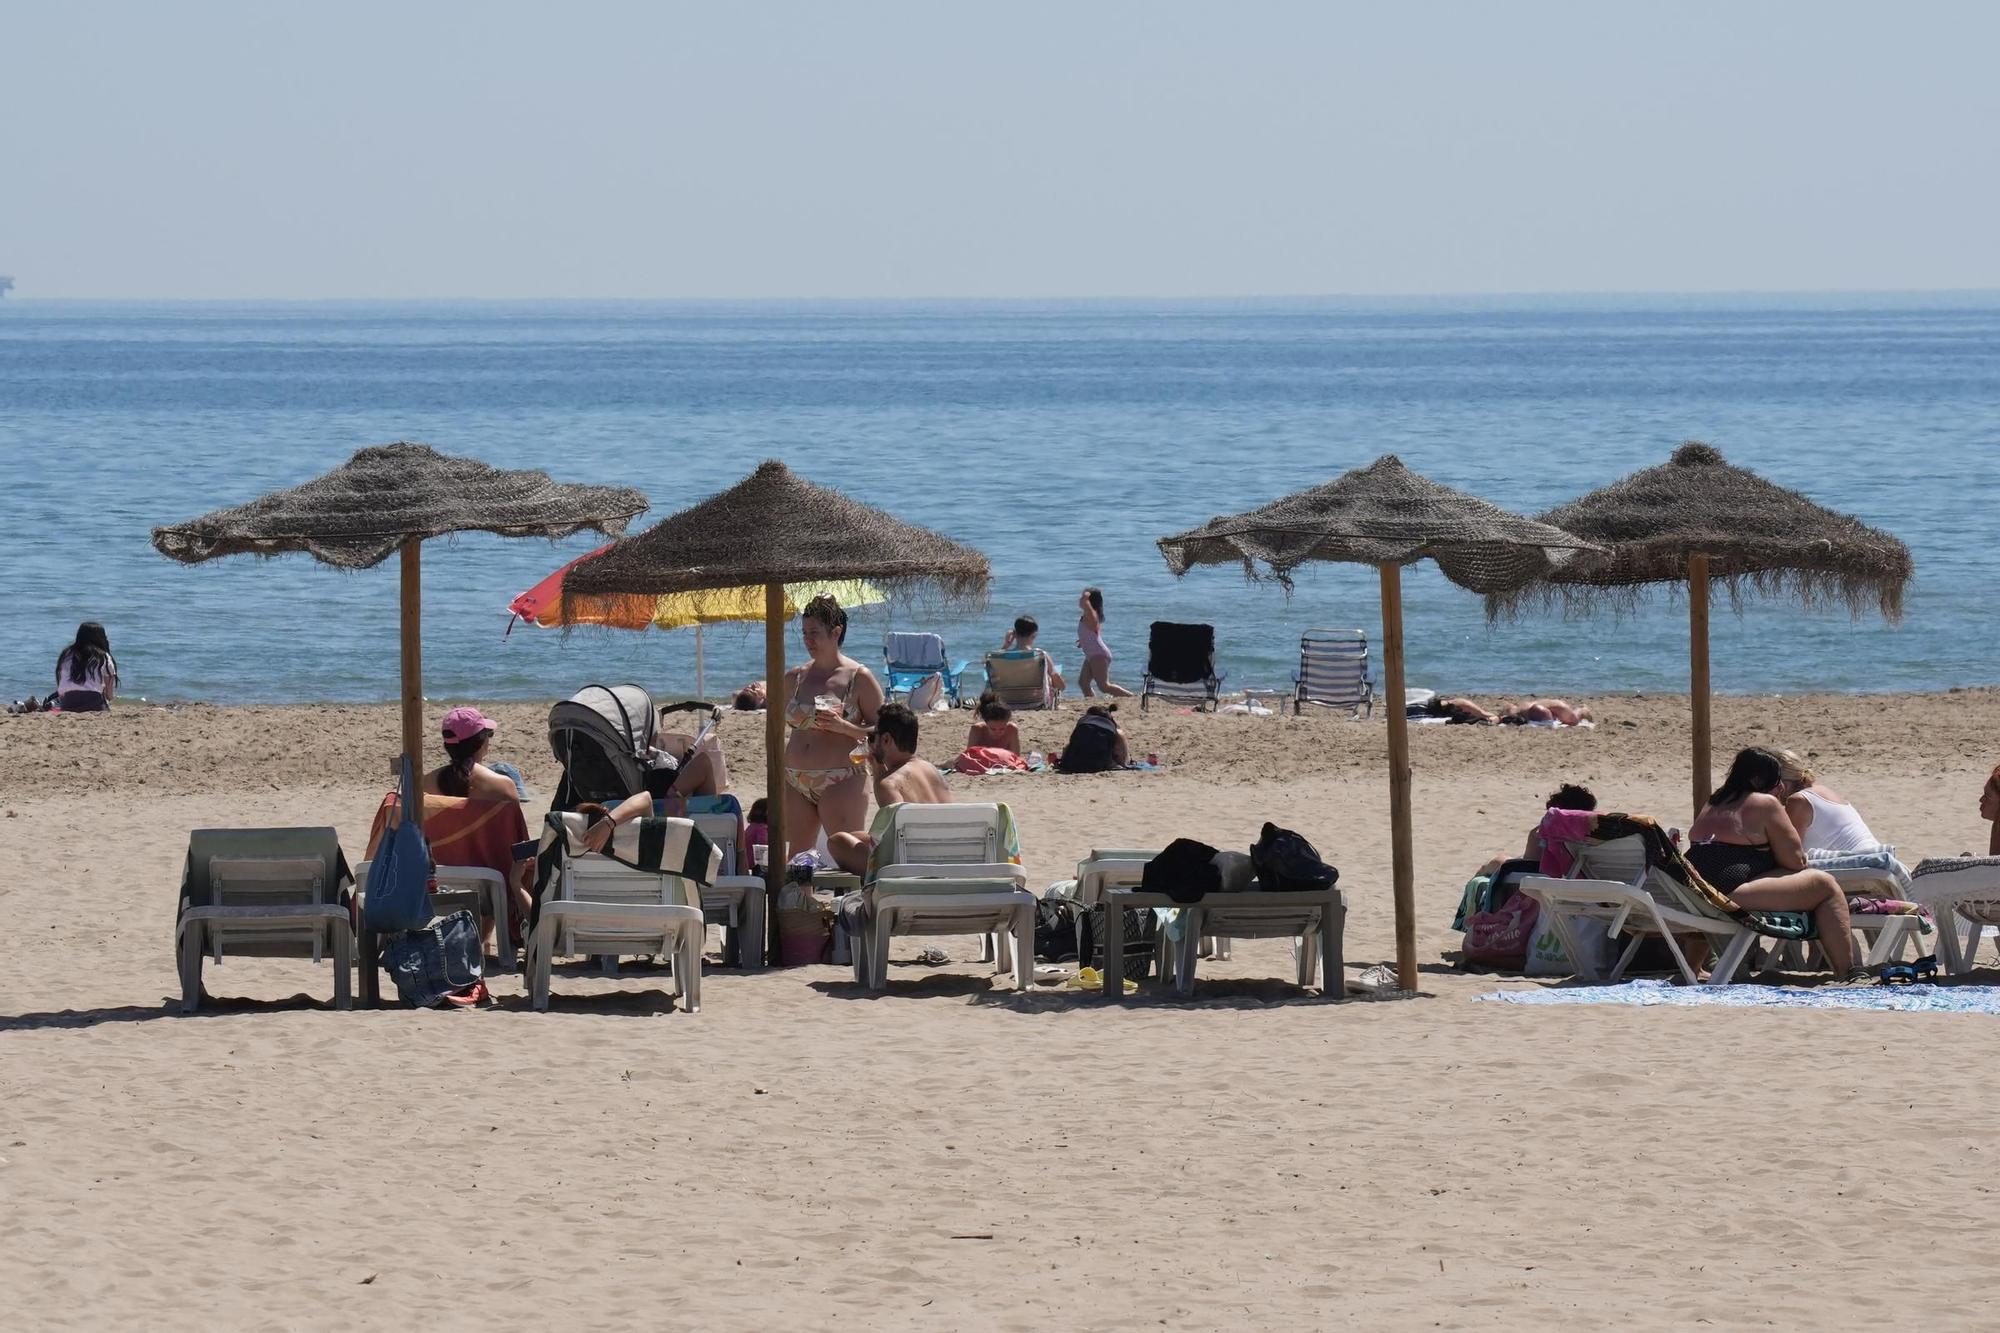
(1286, 862)
(1185, 871)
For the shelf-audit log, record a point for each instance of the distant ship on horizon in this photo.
(6, 285)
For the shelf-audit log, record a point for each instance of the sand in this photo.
(952, 1155)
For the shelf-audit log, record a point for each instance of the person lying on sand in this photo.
(1544, 710)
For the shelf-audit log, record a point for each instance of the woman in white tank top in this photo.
(1824, 819)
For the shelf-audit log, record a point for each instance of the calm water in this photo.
(1060, 439)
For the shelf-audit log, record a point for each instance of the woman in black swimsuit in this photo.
(1743, 843)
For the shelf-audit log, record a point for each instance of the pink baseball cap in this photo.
(462, 724)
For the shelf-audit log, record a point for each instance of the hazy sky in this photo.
(1028, 149)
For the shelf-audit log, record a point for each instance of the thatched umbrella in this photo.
(391, 498)
(1695, 520)
(1387, 516)
(774, 528)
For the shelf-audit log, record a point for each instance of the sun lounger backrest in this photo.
(321, 845)
(590, 878)
(1180, 654)
(1017, 679)
(1620, 860)
(722, 830)
(957, 834)
(267, 881)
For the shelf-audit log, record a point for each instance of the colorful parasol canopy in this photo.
(542, 604)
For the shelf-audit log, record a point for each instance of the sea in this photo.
(1060, 438)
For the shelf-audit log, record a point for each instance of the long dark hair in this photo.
(1756, 769)
(1096, 596)
(90, 653)
(455, 778)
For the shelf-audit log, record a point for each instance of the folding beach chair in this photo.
(945, 870)
(911, 657)
(265, 893)
(1019, 678)
(1333, 671)
(1180, 664)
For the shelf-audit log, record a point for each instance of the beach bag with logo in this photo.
(399, 879)
(1286, 862)
(1546, 957)
(437, 962)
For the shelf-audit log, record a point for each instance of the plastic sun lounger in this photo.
(605, 909)
(264, 893)
(1614, 890)
(735, 901)
(1333, 671)
(941, 873)
(1964, 894)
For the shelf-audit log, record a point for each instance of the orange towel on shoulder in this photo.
(462, 831)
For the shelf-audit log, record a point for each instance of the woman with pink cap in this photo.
(468, 735)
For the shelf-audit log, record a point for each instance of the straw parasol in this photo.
(1695, 520)
(775, 528)
(1387, 516)
(391, 498)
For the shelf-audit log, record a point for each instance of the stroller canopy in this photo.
(603, 737)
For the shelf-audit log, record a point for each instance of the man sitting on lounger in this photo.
(900, 778)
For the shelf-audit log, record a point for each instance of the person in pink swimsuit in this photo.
(1096, 653)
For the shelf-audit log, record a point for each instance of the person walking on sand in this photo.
(1096, 653)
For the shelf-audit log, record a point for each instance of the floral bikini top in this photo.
(801, 708)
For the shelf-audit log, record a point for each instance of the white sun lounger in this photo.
(264, 893)
(735, 901)
(604, 909)
(1964, 893)
(1613, 888)
(480, 890)
(942, 872)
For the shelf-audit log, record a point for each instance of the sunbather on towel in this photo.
(1544, 710)
(900, 778)
(1745, 846)
(1457, 710)
(995, 728)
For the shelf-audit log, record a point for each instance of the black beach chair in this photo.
(1180, 664)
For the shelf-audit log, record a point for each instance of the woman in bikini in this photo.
(830, 703)
(1744, 844)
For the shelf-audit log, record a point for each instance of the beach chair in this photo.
(1019, 679)
(1333, 672)
(943, 870)
(265, 893)
(1964, 894)
(1315, 920)
(911, 657)
(735, 901)
(1180, 665)
(605, 908)
(1614, 890)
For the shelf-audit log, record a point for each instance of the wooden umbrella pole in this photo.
(413, 661)
(774, 731)
(1698, 674)
(1402, 863)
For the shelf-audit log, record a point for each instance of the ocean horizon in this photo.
(1061, 437)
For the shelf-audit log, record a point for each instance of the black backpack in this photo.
(1055, 930)
(1091, 742)
(1286, 862)
(1185, 871)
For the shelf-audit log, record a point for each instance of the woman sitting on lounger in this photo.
(1824, 818)
(1743, 843)
(1021, 639)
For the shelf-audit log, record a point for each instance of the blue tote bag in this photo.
(399, 881)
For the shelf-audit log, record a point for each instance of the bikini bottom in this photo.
(815, 783)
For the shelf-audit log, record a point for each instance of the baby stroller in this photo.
(603, 736)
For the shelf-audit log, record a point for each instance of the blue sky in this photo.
(235, 150)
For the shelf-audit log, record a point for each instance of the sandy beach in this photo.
(952, 1155)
